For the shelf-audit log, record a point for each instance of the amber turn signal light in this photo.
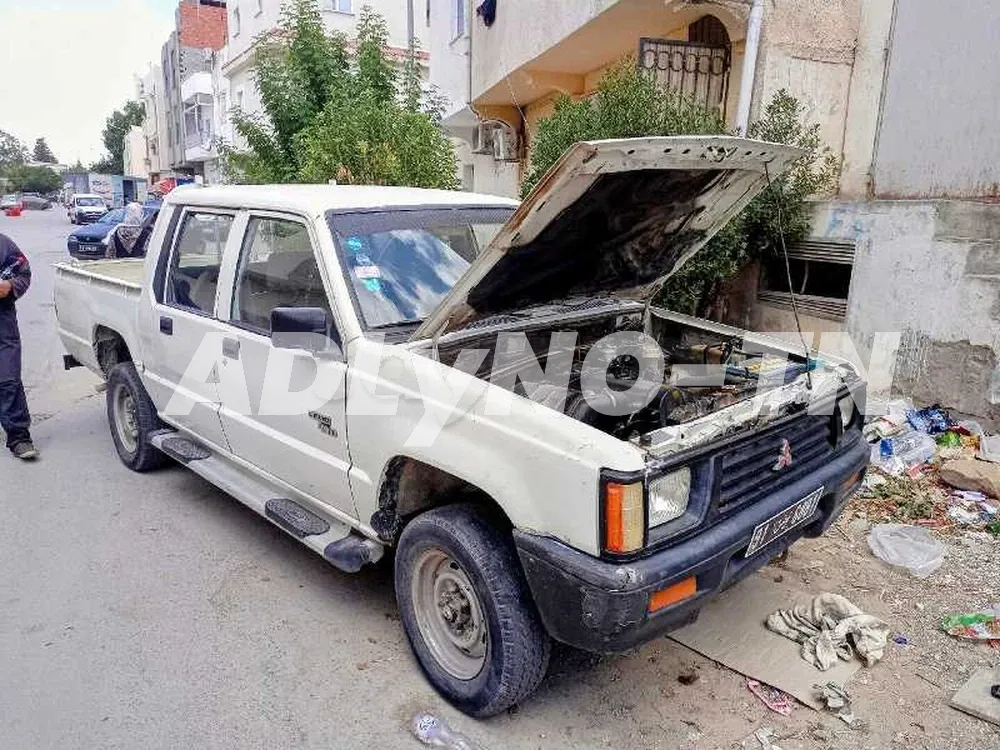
(672, 594)
(624, 517)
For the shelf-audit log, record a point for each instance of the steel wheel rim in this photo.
(126, 419)
(449, 614)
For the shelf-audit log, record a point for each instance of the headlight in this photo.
(668, 496)
(846, 407)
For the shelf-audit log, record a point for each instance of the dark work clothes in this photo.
(14, 416)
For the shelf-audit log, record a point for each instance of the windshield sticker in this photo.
(373, 285)
(368, 272)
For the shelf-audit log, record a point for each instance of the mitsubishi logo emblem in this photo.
(784, 456)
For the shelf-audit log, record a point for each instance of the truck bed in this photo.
(96, 295)
(127, 272)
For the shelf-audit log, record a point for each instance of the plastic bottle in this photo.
(435, 732)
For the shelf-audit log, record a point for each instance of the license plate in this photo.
(783, 522)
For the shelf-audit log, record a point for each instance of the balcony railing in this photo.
(701, 71)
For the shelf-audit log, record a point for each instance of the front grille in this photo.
(747, 473)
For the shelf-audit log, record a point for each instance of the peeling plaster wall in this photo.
(929, 270)
(807, 47)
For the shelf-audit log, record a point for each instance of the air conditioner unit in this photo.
(482, 138)
(504, 144)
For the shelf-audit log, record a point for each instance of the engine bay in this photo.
(672, 375)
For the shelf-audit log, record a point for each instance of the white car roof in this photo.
(88, 195)
(315, 200)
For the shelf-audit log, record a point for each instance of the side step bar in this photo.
(333, 539)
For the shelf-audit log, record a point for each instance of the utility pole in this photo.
(409, 24)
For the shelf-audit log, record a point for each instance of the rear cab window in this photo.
(192, 277)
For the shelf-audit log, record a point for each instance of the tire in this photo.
(515, 645)
(132, 418)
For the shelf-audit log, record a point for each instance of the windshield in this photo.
(401, 264)
(89, 202)
(113, 217)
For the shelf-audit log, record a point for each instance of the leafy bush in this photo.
(25, 179)
(628, 103)
(328, 115)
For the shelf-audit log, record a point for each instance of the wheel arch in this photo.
(409, 486)
(110, 348)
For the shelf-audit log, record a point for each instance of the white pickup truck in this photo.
(485, 387)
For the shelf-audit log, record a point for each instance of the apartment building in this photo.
(904, 92)
(187, 61)
(248, 19)
(151, 151)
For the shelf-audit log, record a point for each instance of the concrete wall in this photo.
(449, 64)
(807, 47)
(929, 270)
(939, 120)
(134, 157)
(487, 175)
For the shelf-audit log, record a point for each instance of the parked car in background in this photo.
(8, 201)
(85, 208)
(35, 202)
(89, 242)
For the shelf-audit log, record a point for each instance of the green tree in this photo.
(628, 103)
(12, 151)
(116, 128)
(43, 153)
(327, 116)
(27, 179)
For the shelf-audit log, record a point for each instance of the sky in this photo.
(65, 65)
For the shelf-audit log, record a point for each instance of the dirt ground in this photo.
(637, 701)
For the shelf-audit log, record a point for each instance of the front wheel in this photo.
(467, 610)
(133, 419)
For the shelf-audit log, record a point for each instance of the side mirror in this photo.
(308, 328)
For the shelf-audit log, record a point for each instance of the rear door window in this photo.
(193, 275)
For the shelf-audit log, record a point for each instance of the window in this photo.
(459, 25)
(277, 269)
(401, 264)
(340, 6)
(236, 22)
(193, 276)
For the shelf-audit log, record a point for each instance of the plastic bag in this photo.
(983, 626)
(896, 454)
(933, 420)
(909, 547)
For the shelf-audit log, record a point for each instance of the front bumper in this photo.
(601, 606)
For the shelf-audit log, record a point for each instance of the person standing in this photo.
(15, 278)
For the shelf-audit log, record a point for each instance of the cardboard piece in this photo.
(974, 697)
(730, 630)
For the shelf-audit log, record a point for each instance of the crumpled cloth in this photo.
(831, 628)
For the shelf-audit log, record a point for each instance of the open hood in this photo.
(611, 217)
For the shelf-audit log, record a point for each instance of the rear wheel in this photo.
(133, 419)
(467, 611)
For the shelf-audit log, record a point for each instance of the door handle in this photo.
(231, 348)
(166, 325)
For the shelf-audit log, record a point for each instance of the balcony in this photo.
(199, 135)
(195, 84)
(695, 48)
